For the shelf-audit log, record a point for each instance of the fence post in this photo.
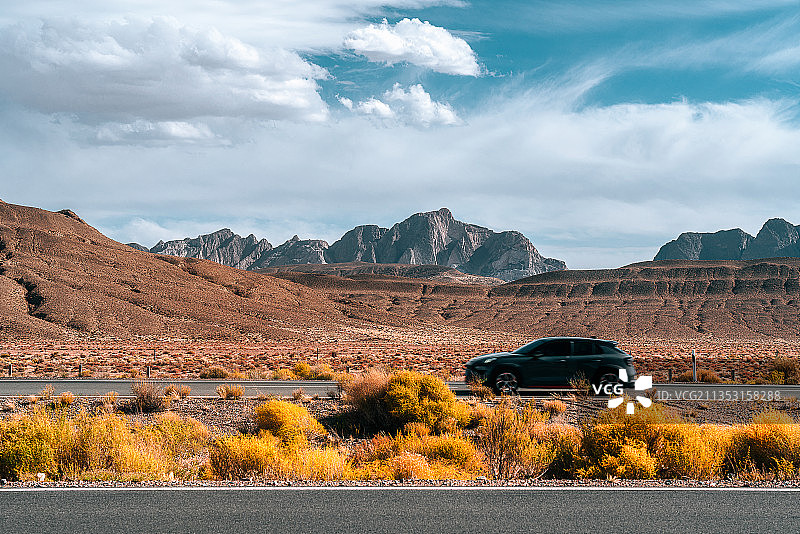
(148, 371)
(10, 370)
(694, 367)
(733, 375)
(80, 370)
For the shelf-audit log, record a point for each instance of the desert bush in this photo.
(408, 466)
(148, 397)
(703, 375)
(771, 442)
(184, 391)
(299, 395)
(214, 372)
(265, 456)
(519, 444)
(99, 447)
(692, 451)
(632, 461)
(230, 391)
(554, 407)
(302, 371)
(414, 397)
(286, 420)
(66, 398)
(282, 374)
(365, 394)
(783, 371)
(47, 392)
(480, 390)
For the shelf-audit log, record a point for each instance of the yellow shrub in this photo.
(414, 397)
(302, 371)
(688, 450)
(286, 420)
(244, 456)
(554, 407)
(408, 466)
(632, 461)
(770, 443)
(230, 391)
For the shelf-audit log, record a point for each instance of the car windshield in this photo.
(525, 349)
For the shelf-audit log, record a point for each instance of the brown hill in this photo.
(59, 275)
(658, 300)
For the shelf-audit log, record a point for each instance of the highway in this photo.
(207, 388)
(407, 510)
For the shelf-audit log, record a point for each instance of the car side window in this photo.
(584, 348)
(610, 349)
(554, 348)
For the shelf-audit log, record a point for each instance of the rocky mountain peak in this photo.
(428, 238)
(777, 238)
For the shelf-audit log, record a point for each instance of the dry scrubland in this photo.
(749, 360)
(402, 426)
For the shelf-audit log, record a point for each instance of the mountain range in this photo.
(61, 278)
(776, 239)
(430, 238)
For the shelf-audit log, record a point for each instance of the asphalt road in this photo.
(485, 511)
(207, 388)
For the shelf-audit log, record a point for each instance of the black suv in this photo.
(553, 362)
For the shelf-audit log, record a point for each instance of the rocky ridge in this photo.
(776, 239)
(431, 238)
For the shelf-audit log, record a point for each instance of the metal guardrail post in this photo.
(148, 371)
(10, 370)
(694, 367)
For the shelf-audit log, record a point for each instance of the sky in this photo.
(600, 130)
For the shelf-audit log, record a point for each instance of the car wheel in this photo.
(506, 383)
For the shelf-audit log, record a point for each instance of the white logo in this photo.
(642, 383)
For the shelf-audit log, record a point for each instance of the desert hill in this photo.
(657, 300)
(59, 275)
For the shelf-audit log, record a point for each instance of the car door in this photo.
(585, 359)
(548, 364)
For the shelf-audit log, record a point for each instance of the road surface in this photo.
(480, 511)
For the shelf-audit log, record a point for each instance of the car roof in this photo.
(570, 338)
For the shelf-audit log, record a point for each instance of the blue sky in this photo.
(600, 130)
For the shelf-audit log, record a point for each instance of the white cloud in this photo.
(153, 77)
(375, 107)
(416, 42)
(411, 107)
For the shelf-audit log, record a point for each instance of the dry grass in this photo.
(214, 373)
(230, 391)
(554, 407)
(66, 398)
(267, 457)
(149, 397)
(703, 375)
(100, 447)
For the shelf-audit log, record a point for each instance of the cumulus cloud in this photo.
(416, 42)
(153, 77)
(413, 107)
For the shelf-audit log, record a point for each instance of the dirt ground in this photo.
(442, 352)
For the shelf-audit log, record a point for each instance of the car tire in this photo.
(505, 382)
